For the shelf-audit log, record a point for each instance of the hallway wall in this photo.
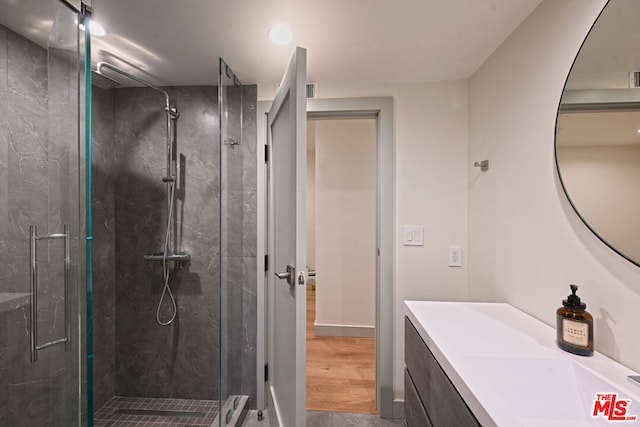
(311, 195)
(345, 226)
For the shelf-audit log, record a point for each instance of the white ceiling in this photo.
(348, 41)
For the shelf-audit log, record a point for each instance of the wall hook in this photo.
(483, 165)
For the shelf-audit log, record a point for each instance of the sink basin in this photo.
(544, 392)
(507, 367)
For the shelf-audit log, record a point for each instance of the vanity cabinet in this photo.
(490, 364)
(430, 397)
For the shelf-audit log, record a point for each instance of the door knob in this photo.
(284, 275)
(288, 275)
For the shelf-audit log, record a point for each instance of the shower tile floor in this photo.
(156, 412)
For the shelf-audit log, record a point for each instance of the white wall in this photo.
(311, 195)
(526, 244)
(345, 226)
(603, 184)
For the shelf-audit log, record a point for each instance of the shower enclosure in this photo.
(172, 329)
(128, 291)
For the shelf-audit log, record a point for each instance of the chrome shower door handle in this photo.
(33, 279)
(289, 275)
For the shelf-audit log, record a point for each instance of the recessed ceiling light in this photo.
(281, 34)
(96, 28)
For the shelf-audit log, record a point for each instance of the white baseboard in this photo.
(344, 331)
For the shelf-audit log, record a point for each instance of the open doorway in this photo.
(341, 248)
(381, 110)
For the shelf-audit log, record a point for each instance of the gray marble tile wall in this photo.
(64, 200)
(249, 319)
(37, 132)
(180, 360)
(5, 271)
(24, 192)
(239, 185)
(4, 368)
(231, 164)
(104, 292)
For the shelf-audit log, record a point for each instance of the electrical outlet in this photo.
(455, 256)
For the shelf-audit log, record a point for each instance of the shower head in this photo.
(143, 82)
(103, 82)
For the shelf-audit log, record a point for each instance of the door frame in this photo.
(380, 108)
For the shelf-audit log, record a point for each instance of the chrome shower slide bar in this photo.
(33, 278)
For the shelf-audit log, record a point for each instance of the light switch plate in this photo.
(413, 235)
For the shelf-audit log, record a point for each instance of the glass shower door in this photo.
(41, 227)
(233, 340)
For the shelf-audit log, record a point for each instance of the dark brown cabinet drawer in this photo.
(443, 404)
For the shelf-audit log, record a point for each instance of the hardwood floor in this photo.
(340, 370)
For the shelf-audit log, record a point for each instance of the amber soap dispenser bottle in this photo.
(574, 325)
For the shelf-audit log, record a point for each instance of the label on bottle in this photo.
(576, 333)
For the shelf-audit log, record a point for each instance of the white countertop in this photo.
(508, 369)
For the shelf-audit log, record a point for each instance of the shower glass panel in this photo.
(42, 223)
(232, 251)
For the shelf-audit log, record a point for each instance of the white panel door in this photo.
(287, 121)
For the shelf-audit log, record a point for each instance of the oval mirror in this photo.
(598, 130)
